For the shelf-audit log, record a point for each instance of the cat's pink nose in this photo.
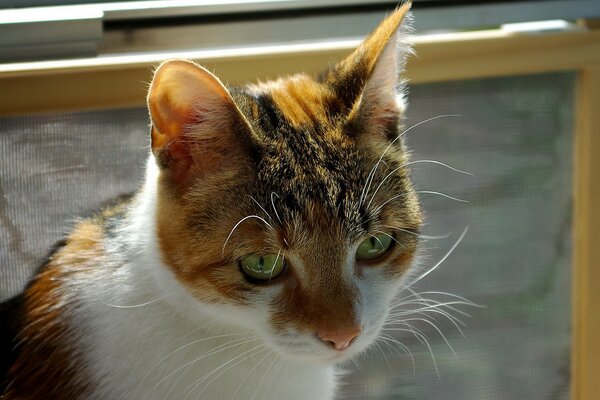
(339, 340)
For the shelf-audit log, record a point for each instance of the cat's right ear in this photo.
(196, 126)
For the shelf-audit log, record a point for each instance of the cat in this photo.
(275, 225)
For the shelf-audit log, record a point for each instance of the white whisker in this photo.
(261, 207)
(420, 236)
(430, 270)
(429, 305)
(439, 331)
(442, 194)
(424, 311)
(248, 376)
(237, 361)
(275, 263)
(368, 182)
(418, 294)
(423, 339)
(238, 224)
(187, 345)
(143, 304)
(383, 355)
(273, 364)
(355, 362)
(412, 163)
(380, 207)
(225, 346)
(383, 181)
(391, 237)
(369, 179)
(460, 171)
(274, 208)
(271, 381)
(391, 341)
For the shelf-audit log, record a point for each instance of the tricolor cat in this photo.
(275, 225)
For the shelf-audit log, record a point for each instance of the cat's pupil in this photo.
(261, 263)
(375, 243)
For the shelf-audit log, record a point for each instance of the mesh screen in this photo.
(514, 134)
(54, 168)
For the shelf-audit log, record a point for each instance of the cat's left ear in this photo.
(369, 81)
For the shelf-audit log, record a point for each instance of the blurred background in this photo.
(519, 81)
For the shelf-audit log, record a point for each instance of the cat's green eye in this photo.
(262, 268)
(373, 247)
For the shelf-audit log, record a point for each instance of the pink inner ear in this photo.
(168, 123)
(193, 117)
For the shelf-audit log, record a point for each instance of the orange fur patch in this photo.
(302, 100)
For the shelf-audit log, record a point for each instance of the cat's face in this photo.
(287, 206)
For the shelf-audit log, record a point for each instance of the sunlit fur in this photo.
(306, 167)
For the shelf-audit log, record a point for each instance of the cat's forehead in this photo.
(306, 157)
(298, 101)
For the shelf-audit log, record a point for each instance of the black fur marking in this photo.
(270, 118)
(347, 86)
(10, 315)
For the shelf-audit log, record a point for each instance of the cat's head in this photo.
(288, 204)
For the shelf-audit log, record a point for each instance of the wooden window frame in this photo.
(121, 81)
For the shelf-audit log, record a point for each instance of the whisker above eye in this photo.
(420, 236)
(276, 259)
(274, 208)
(391, 237)
(261, 207)
(382, 182)
(368, 183)
(442, 194)
(238, 224)
(412, 163)
(371, 174)
(460, 171)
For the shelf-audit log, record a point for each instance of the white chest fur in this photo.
(151, 353)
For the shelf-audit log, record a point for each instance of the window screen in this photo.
(514, 134)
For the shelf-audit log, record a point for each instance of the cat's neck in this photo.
(151, 339)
